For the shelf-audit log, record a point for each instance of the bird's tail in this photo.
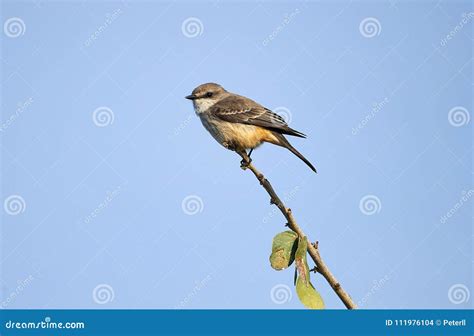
(284, 143)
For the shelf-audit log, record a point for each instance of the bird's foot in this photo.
(244, 164)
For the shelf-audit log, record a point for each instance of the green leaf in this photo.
(300, 259)
(283, 250)
(304, 288)
(308, 295)
(302, 247)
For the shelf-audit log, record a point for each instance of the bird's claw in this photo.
(244, 164)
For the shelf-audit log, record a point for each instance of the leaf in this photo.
(308, 295)
(304, 288)
(302, 247)
(300, 259)
(283, 250)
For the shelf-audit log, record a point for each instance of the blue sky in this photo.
(114, 195)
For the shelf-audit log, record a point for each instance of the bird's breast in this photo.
(238, 135)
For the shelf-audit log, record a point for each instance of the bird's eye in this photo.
(209, 94)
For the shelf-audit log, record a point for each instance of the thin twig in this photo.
(312, 248)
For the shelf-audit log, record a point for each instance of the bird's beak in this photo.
(191, 97)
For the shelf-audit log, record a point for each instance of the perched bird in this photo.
(238, 123)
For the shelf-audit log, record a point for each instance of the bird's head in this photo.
(206, 95)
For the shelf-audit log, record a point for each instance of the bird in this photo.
(239, 124)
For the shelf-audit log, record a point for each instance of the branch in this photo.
(313, 249)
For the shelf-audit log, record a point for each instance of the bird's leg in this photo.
(245, 159)
(250, 153)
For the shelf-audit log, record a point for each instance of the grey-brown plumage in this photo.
(239, 123)
(238, 109)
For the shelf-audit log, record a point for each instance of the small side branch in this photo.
(313, 249)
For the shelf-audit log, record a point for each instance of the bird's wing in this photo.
(238, 109)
